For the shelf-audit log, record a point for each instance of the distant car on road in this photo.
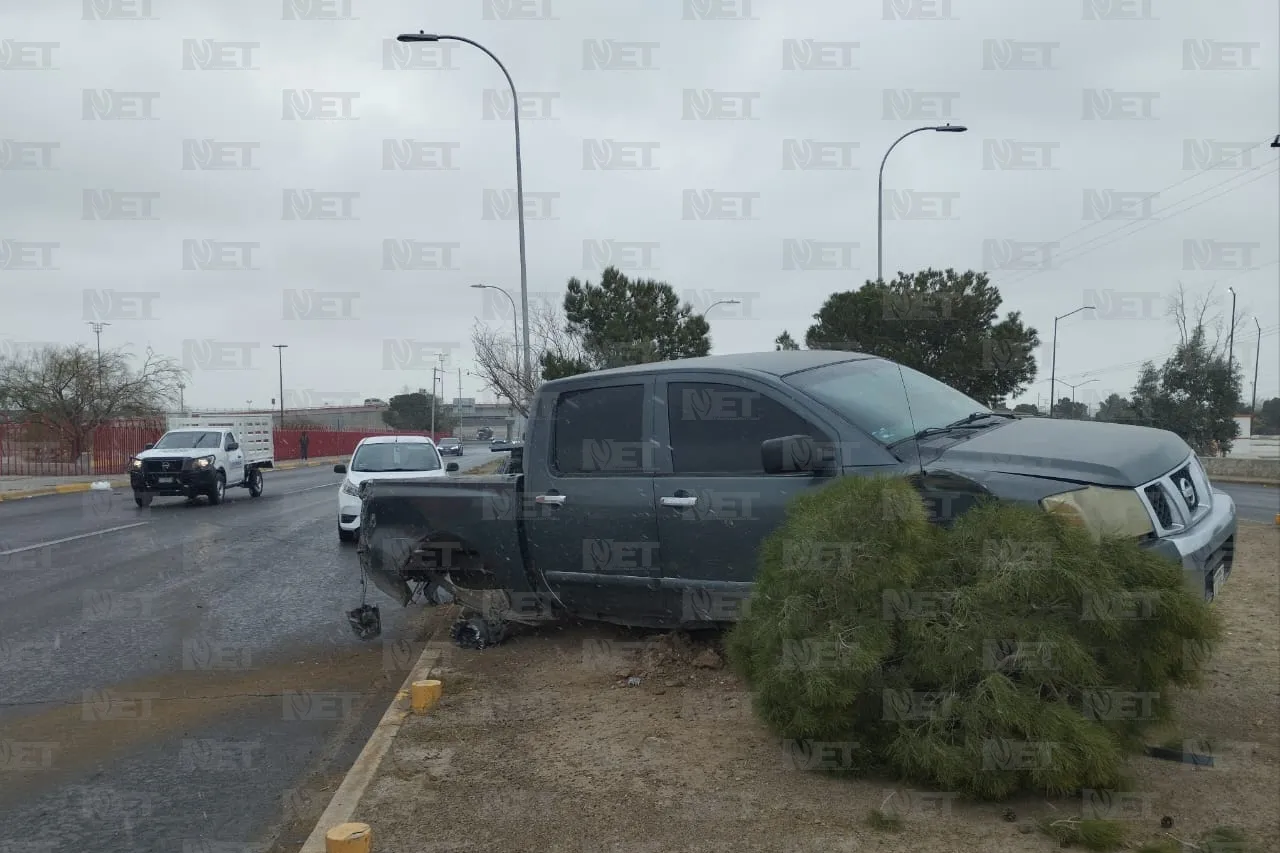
(499, 444)
(384, 457)
(449, 446)
(484, 434)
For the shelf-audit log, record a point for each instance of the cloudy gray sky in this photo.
(275, 171)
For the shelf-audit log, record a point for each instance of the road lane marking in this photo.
(74, 538)
(335, 485)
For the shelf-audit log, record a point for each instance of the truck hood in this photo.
(176, 453)
(1102, 454)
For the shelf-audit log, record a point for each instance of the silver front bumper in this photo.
(1206, 548)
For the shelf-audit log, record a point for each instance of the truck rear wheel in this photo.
(255, 482)
(142, 499)
(219, 490)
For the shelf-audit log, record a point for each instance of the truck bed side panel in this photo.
(467, 521)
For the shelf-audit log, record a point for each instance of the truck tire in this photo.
(142, 499)
(255, 482)
(219, 490)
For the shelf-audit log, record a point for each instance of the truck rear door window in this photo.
(599, 430)
(717, 429)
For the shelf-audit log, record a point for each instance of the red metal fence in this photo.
(34, 449)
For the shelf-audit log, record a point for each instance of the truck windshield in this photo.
(188, 438)
(870, 393)
(383, 457)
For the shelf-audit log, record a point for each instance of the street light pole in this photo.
(280, 348)
(514, 328)
(1053, 370)
(703, 312)
(1231, 335)
(97, 333)
(945, 128)
(1257, 356)
(515, 115)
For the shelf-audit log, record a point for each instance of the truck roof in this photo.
(779, 363)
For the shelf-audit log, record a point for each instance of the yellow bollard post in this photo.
(349, 838)
(423, 695)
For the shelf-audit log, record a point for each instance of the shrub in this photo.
(995, 656)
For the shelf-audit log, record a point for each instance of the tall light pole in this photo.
(1053, 369)
(280, 348)
(1257, 356)
(945, 128)
(1231, 335)
(182, 403)
(514, 328)
(1074, 387)
(515, 116)
(704, 311)
(97, 333)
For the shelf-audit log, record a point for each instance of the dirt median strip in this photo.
(541, 739)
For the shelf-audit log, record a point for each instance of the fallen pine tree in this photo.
(1009, 652)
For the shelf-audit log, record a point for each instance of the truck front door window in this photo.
(600, 431)
(717, 429)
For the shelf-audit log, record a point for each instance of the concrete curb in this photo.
(72, 488)
(1244, 481)
(343, 805)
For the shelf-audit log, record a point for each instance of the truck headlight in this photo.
(1102, 511)
(205, 461)
(136, 464)
(350, 488)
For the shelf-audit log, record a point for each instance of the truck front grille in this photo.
(162, 466)
(1160, 504)
(1179, 499)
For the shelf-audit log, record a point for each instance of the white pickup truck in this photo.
(204, 456)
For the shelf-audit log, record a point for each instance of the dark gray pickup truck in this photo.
(643, 493)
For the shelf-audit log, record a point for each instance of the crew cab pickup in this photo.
(204, 456)
(644, 492)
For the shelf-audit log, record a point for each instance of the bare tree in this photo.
(1202, 313)
(498, 355)
(72, 392)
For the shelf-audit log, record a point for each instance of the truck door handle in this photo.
(681, 502)
(553, 500)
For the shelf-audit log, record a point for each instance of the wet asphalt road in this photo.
(1254, 503)
(183, 678)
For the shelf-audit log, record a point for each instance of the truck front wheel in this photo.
(142, 499)
(255, 482)
(219, 490)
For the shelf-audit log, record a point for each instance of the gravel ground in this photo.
(540, 745)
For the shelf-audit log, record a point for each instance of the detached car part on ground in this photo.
(204, 456)
(642, 493)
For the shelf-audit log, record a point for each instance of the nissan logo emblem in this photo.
(168, 466)
(1188, 493)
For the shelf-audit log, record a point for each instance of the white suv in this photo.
(383, 457)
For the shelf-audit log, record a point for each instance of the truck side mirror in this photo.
(233, 446)
(451, 467)
(792, 454)
(339, 469)
(148, 446)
